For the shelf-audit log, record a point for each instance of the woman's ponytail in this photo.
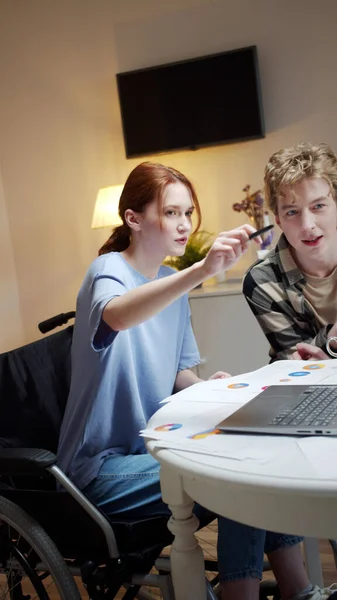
(118, 241)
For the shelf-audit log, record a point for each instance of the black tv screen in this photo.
(205, 101)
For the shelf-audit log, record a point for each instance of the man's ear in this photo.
(132, 219)
(277, 219)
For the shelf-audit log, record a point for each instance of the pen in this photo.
(260, 231)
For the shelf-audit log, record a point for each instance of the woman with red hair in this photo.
(133, 346)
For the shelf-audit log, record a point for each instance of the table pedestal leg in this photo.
(187, 560)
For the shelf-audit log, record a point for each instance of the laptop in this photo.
(287, 410)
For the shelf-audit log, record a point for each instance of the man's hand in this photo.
(219, 375)
(333, 331)
(308, 352)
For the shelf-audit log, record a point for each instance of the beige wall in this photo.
(11, 323)
(60, 130)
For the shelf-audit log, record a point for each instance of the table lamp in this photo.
(106, 207)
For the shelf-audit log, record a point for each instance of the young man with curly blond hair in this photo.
(293, 291)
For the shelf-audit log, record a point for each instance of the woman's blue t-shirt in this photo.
(118, 378)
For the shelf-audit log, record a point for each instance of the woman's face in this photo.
(166, 226)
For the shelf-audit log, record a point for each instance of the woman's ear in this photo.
(132, 219)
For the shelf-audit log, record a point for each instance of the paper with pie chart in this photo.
(244, 387)
(214, 400)
(198, 434)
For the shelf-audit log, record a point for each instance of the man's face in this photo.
(307, 215)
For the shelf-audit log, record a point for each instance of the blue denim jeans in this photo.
(129, 486)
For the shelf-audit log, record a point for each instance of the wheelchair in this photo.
(51, 535)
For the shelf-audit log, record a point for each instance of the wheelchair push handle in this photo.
(57, 321)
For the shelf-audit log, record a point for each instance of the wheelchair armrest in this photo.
(22, 461)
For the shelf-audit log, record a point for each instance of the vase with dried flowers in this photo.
(254, 207)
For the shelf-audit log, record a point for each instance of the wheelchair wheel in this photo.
(31, 566)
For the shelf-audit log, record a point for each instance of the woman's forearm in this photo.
(186, 378)
(140, 304)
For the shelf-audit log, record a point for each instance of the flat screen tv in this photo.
(190, 104)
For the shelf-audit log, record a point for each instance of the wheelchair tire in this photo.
(31, 566)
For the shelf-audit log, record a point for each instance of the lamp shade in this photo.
(106, 207)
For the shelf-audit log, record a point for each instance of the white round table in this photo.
(284, 494)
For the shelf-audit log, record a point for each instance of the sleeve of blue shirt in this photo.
(106, 281)
(189, 352)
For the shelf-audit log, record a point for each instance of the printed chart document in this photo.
(187, 421)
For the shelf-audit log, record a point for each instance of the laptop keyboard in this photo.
(317, 406)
